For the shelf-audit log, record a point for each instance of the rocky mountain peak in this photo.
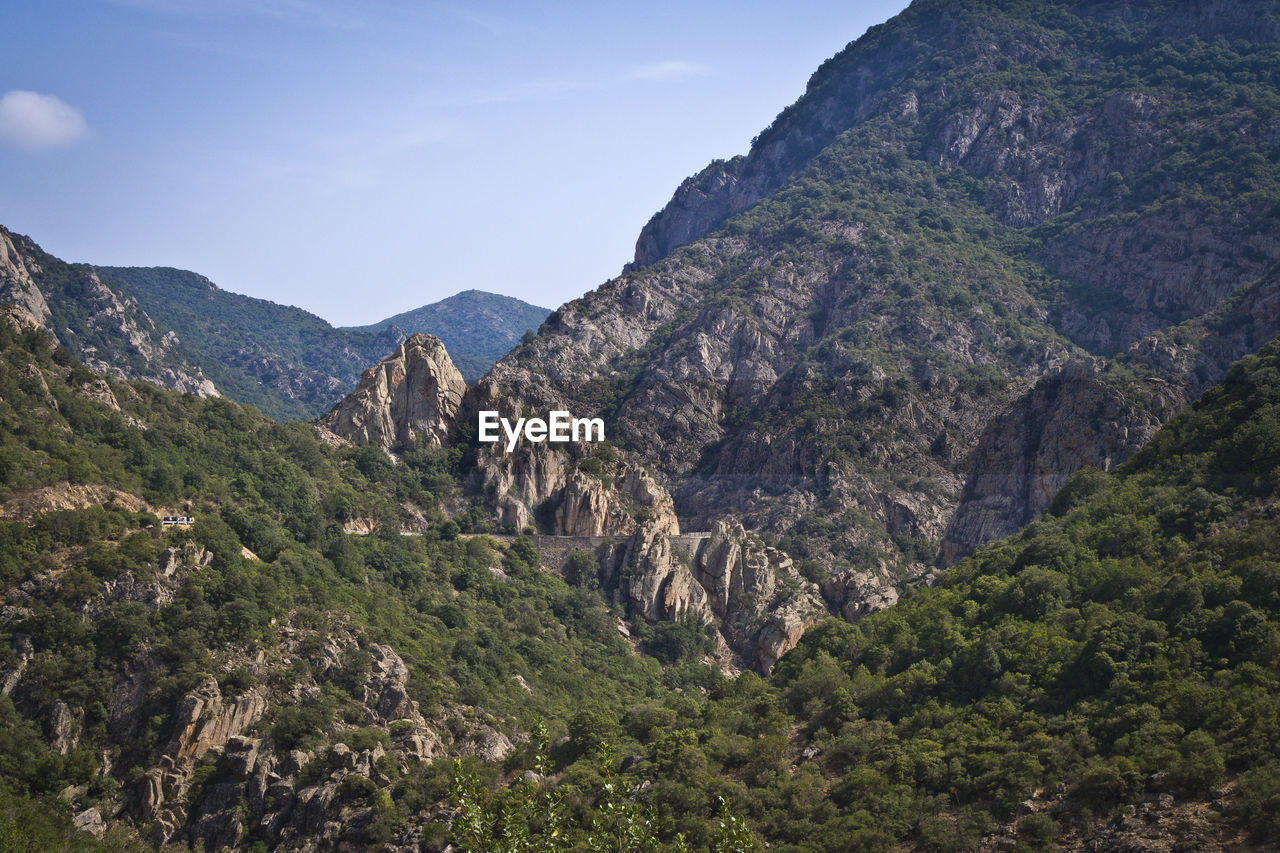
(978, 253)
(408, 399)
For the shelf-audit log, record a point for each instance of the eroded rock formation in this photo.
(407, 400)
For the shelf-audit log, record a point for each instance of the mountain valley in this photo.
(937, 509)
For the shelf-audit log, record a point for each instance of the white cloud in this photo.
(669, 71)
(34, 121)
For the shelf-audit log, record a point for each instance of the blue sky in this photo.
(361, 159)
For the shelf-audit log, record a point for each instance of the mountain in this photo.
(286, 361)
(937, 510)
(107, 330)
(180, 330)
(477, 328)
(262, 678)
(993, 243)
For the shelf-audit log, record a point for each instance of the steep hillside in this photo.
(477, 328)
(1120, 650)
(262, 676)
(1106, 679)
(289, 363)
(104, 328)
(992, 243)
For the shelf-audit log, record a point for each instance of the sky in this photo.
(362, 159)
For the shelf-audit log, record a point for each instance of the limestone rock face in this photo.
(206, 720)
(861, 593)
(89, 821)
(408, 399)
(257, 782)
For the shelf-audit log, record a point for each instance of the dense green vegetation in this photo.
(276, 357)
(477, 328)
(466, 614)
(1123, 646)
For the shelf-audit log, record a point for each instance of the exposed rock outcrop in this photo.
(64, 728)
(123, 341)
(591, 507)
(409, 399)
(1090, 415)
(1073, 419)
(659, 586)
(763, 602)
(204, 721)
(256, 783)
(16, 284)
(750, 592)
(59, 496)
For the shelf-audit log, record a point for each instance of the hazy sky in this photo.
(362, 158)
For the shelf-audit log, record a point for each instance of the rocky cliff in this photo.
(407, 400)
(16, 283)
(948, 276)
(101, 326)
(1097, 413)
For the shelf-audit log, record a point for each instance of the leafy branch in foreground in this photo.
(531, 817)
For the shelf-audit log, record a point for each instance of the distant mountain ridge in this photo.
(288, 362)
(477, 328)
(179, 330)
